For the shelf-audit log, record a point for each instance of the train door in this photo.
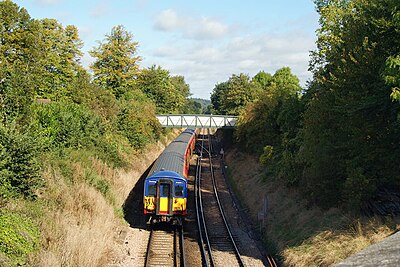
(164, 197)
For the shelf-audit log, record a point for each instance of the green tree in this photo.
(17, 57)
(181, 86)
(116, 63)
(263, 79)
(286, 81)
(19, 168)
(157, 84)
(192, 107)
(269, 126)
(232, 96)
(40, 59)
(137, 121)
(350, 119)
(218, 96)
(60, 61)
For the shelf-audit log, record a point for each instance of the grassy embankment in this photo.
(301, 234)
(77, 216)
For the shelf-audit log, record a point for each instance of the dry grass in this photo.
(303, 235)
(331, 246)
(80, 226)
(80, 230)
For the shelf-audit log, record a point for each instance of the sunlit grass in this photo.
(301, 234)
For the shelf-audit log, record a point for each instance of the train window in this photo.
(178, 190)
(151, 190)
(164, 190)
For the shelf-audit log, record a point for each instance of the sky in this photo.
(205, 41)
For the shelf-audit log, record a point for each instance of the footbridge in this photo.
(197, 121)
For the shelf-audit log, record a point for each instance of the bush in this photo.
(60, 124)
(18, 237)
(19, 168)
(137, 122)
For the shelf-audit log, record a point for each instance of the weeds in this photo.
(302, 234)
(19, 236)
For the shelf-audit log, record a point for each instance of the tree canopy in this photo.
(167, 93)
(116, 65)
(338, 139)
(232, 96)
(350, 119)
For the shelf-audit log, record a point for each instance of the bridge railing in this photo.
(197, 121)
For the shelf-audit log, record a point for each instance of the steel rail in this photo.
(147, 261)
(178, 233)
(238, 256)
(271, 261)
(178, 249)
(182, 247)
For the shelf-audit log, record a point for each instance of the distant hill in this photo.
(204, 102)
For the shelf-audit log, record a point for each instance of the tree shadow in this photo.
(133, 205)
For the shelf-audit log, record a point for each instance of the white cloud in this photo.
(206, 28)
(166, 51)
(168, 20)
(200, 28)
(205, 64)
(100, 10)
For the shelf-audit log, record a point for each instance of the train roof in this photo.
(185, 135)
(172, 158)
(167, 174)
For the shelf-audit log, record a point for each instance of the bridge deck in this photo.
(197, 121)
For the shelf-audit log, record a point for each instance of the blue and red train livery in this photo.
(165, 188)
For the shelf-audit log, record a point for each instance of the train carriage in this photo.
(165, 188)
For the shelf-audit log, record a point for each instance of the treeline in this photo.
(49, 101)
(338, 141)
(51, 106)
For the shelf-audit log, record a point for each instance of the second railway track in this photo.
(216, 237)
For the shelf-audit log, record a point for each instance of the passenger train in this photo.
(165, 187)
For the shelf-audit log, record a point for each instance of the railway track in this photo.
(165, 246)
(221, 240)
(216, 239)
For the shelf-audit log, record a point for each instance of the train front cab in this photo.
(165, 200)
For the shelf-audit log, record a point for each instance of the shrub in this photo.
(137, 122)
(61, 124)
(19, 236)
(19, 168)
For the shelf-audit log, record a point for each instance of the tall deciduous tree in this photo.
(232, 96)
(218, 97)
(270, 125)
(40, 59)
(181, 86)
(18, 59)
(263, 79)
(60, 61)
(351, 120)
(116, 63)
(157, 84)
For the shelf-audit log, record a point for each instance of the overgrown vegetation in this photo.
(19, 236)
(19, 166)
(64, 135)
(296, 231)
(337, 140)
